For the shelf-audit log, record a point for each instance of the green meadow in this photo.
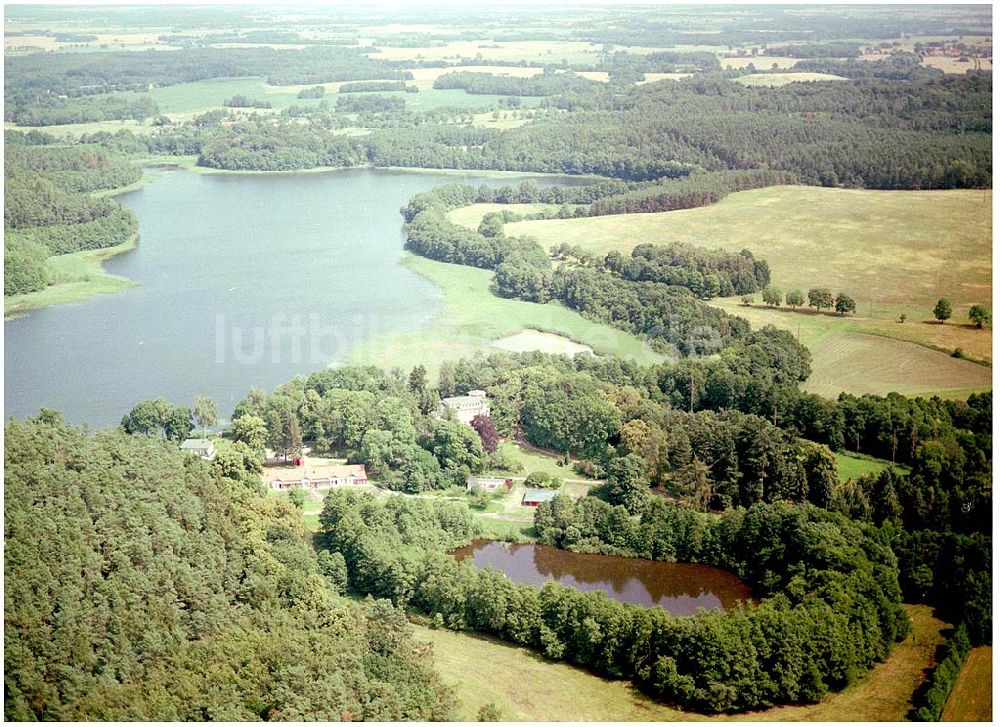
(471, 317)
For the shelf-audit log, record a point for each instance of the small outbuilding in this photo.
(489, 484)
(199, 447)
(534, 498)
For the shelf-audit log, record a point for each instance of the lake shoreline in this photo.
(96, 281)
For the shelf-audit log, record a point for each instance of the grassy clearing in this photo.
(527, 687)
(654, 77)
(471, 318)
(972, 698)
(80, 275)
(773, 80)
(529, 340)
(852, 466)
(894, 252)
(537, 462)
(763, 63)
(472, 215)
(533, 51)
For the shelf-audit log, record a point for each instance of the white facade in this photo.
(467, 408)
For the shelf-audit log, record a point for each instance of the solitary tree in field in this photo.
(746, 300)
(205, 414)
(942, 311)
(979, 315)
(771, 295)
(845, 304)
(820, 298)
(794, 298)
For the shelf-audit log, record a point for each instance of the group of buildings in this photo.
(321, 477)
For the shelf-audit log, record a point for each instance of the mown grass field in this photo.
(471, 317)
(527, 687)
(773, 80)
(894, 252)
(972, 698)
(78, 276)
(472, 215)
(761, 63)
(852, 466)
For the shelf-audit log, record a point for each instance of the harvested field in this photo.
(863, 364)
(532, 340)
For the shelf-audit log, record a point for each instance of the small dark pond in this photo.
(680, 588)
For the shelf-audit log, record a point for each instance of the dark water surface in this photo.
(680, 588)
(245, 280)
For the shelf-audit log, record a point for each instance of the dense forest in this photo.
(876, 132)
(47, 211)
(141, 585)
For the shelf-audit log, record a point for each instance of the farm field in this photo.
(972, 699)
(532, 51)
(531, 340)
(781, 79)
(472, 318)
(859, 363)
(894, 252)
(527, 687)
(761, 63)
(825, 336)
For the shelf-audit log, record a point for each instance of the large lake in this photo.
(246, 280)
(680, 588)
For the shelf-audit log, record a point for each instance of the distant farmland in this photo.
(894, 252)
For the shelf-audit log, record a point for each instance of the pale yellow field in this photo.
(894, 249)
(532, 340)
(865, 364)
(759, 62)
(773, 80)
(472, 215)
(654, 77)
(953, 65)
(972, 698)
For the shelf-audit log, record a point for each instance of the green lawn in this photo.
(472, 215)
(852, 466)
(471, 317)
